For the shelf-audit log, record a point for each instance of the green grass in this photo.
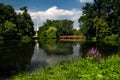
(78, 69)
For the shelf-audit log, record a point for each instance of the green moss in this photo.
(78, 69)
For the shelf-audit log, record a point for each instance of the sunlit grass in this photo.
(78, 69)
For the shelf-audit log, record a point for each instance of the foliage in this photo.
(100, 19)
(101, 27)
(79, 68)
(55, 47)
(9, 30)
(76, 32)
(25, 24)
(13, 25)
(49, 33)
(25, 39)
(112, 37)
(86, 22)
(56, 28)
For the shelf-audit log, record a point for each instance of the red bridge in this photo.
(72, 38)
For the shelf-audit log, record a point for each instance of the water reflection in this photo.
(16, 57)
(50, 52)
(103, 49)
(76, 50)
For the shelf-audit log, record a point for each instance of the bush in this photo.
(112, 37)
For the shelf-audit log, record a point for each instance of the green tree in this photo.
(65, 28)
(13, 25)
(101, 27)
(7, 22)
(51, 32)
(7, 13)
(100, 19)
(86, 21)
(25, 23)
(58, 27)
(9, 30)
(24, 8)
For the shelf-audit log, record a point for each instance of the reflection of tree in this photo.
(15, 58)
(106, 49)
(51, 46)
(85, 46)
(119, 49)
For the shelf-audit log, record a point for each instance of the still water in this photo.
(16, 57)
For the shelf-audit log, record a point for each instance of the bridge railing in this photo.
(71, 37)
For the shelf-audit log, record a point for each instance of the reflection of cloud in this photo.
(55, 13)
(86, 0)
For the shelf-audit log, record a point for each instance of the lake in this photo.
(17, 57)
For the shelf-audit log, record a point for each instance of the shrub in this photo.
(112, 37)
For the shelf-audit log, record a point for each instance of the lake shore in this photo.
(78, 68)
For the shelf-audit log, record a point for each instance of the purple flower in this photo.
(92, 51)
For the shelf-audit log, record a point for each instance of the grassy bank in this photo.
(78, 69)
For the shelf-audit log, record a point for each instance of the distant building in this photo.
(37, 29)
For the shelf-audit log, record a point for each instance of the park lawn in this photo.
(78, 69)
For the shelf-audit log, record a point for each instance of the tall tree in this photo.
(25, 23)
(101, 18)
(86, 20)
(59, 28)
(13, 25)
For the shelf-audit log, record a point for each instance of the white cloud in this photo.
(55, 13)
(86, 0)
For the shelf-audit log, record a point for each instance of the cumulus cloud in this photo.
(55, 13)
(86, 0)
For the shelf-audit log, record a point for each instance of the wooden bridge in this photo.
(72, 38)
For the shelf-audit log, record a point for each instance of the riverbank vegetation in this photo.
(56, 28)
(15, 25)
(101, 19)
(79, 68)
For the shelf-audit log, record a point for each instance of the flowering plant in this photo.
(94, 52)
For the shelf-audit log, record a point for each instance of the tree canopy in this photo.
(100, 19)
(56, 28)
(15, 25)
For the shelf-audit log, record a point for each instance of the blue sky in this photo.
(40, 10)
(35, 5)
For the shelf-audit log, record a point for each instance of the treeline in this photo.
(56, 28)
(101, 20)
(15, 25)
